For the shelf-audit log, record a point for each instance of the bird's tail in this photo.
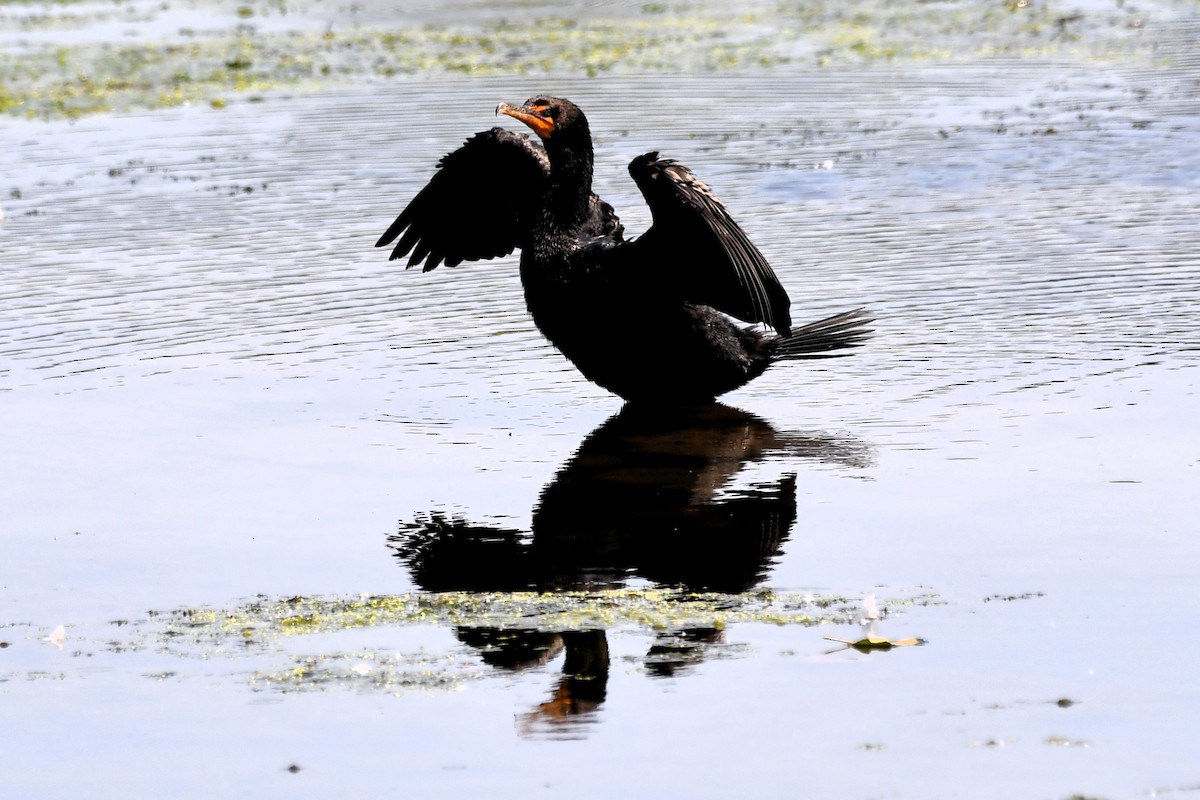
(826, 337)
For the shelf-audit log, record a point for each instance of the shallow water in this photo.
(230, 422)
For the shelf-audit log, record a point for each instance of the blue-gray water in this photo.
(214, 388)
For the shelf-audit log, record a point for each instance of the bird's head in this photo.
(553, 119)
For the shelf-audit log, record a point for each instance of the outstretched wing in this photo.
(696, 246)
(477, 205)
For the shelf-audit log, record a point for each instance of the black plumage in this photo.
(684, 313)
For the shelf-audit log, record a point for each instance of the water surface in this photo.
(230, 423)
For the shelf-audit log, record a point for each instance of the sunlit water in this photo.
(214, 387)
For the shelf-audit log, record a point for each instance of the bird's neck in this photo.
(570, 187)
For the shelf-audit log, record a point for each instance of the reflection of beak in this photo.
(542, 126)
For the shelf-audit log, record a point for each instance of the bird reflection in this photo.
(650, 494)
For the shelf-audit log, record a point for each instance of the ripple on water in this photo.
(1000, 224)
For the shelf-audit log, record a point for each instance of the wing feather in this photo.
(700, 249)
(478, 205)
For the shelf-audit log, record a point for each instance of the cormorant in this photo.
(684, 313)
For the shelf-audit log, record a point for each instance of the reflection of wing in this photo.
(709, 257)
(477, 205)
(444, 554)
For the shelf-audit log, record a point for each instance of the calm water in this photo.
(216, 394)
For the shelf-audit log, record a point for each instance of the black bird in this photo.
(684, 313)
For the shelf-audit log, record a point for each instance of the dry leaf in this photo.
(874, 642)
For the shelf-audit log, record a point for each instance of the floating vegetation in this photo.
(314, 643)
(505, 629)
(1063, 741)
(871, 643)
(368, 672)
(63, 73)
(654, 609)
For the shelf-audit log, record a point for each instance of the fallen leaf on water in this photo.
(870, 640)
(873, 642)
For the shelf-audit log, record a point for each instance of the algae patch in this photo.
(268, 619)
(440, 641)
(510, 630)
(57, 63)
